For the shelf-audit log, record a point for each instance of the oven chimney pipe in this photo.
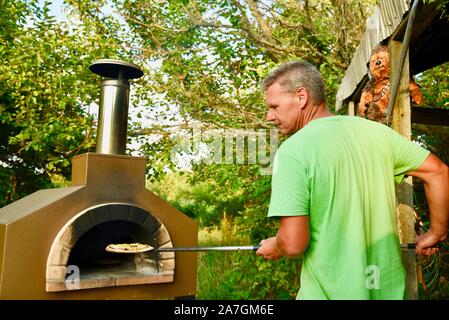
(114, 103)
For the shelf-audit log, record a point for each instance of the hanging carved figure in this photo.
(376, 94)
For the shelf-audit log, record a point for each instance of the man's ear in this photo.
(302, 96)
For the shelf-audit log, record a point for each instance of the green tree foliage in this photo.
(45, 90)
(441, 5)
(435, 87)
(213, 54)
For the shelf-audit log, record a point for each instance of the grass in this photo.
(216, 267)
(210, 265)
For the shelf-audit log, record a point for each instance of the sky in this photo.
(56, 9)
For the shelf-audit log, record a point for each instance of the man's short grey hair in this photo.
(296, 74)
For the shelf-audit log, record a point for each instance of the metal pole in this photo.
(114, 103)
(113, 116)
(225, 248)
(402, 55)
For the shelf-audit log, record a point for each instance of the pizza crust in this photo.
(128, 248)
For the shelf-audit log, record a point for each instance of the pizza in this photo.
(128, 247)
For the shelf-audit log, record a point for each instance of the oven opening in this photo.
(93, 261)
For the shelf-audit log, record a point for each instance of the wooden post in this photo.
(351, 108)
(401, 122)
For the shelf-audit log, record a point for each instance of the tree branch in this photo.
(266, 30)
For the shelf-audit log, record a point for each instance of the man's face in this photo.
(283, 108)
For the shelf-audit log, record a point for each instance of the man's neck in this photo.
(312, 113)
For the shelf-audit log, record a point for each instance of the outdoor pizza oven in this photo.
(52, 242)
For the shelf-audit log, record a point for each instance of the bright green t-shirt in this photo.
(340, 171)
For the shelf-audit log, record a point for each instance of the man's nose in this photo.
(270, 116)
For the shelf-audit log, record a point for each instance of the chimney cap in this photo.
(116, 69)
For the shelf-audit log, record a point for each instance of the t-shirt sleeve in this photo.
(289, 187)
(408, 155)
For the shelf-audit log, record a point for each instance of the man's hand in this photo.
(426, 243)
(269, 249)
(291, 239)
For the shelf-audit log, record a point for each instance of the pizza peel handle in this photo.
(225, 248)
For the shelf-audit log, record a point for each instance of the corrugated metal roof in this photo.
(386, 18)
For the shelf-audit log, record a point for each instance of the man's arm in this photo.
(435, 177)
(291, 239)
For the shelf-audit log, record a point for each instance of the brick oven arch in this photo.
(149, 268)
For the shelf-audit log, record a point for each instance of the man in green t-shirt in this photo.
(333, 191)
